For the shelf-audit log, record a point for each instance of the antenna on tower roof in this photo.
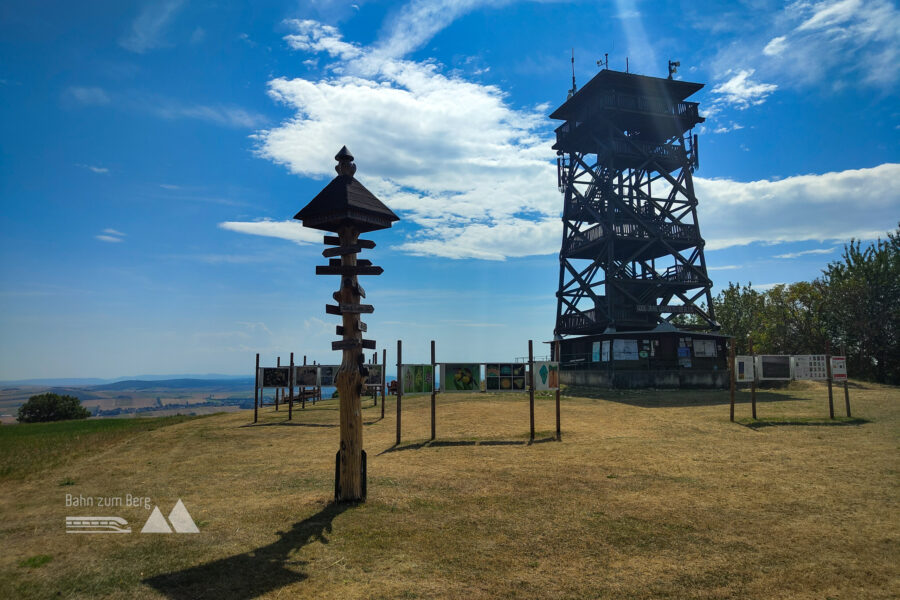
(572, 91)
(673, 67)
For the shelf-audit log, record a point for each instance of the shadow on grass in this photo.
(675, 398)
(297, 424)
(457, 443)
(838, 422)
(252, 573)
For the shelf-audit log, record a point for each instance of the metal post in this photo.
(399, 385)
(432, 392)
(846, 389)
(256, 390)
(531, 385)
(828, 372)
(732, 375)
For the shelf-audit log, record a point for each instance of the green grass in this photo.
(28, 448)
(33, 562)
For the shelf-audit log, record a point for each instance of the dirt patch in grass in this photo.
(661, 497)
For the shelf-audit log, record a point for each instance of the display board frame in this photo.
(809, 367)
(505, 377)
(549, 380)
(451, 384)
(770, 367)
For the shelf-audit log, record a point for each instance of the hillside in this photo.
(649, 495)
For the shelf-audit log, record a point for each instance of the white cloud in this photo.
(724, 268)
(450, 155)
(860, 203)
(95, 169)
(108, 238)
(806, 252)
(88, 95)
(775, 46)
(148, 28)
(228, 116)
(727, 128)
(741, 91)
(111, 231)
(286, 230)
(837, 42)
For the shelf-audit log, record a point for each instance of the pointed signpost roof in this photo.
(345, 201)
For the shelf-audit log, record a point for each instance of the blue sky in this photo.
(154, 153)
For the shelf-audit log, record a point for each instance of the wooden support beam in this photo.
(531, 384)
(256, 391)
(333, 240)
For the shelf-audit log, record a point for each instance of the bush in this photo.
(52, 407)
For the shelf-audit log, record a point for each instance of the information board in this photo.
(625, 350)
(504, 377)
(743, 369)
(772, 367)
(306, 376)
(839, 368)
(810, 366)
(604, 354)
(461, 377)
(275, 377)
(327, 373)
(375, 374)
(705, 348)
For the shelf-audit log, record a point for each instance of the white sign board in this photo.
(705, 348)
(546, 376)
(810, 366)
(839, 368)
(605, 352)
(743, 369)
(625, 350)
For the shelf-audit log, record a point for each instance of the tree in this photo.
(863, 307)
(52, 407)
(739, 311)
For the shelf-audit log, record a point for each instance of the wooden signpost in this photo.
(346, 207)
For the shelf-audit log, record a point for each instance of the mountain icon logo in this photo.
(180, 519)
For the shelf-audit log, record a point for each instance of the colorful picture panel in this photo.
(504, 377)
(546, 376)
(461, 378)
(417, 379)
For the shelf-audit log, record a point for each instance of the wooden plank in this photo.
(357, 308)
(341, 250)
(348, 270)
(333, 240)
(363, 262)
(349, 344)
(330, 309)
(360, 327)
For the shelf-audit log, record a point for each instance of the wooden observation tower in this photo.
(632, 255)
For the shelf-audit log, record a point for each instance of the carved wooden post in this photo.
(256, 390)
(346, 207)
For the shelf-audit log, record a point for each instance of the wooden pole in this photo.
(432, 392)
(383, 379)
(846, 389)
(349, 382)
(399, 385)
(531, 385)
(753, 382)
(732, 377)
(828, 373)
(291, 397)
(558, 373)
(256, 390)
(277, 364)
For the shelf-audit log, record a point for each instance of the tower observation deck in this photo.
(632, 255)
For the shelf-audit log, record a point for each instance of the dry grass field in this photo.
(649, 495)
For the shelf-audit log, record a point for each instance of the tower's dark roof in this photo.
(345, 200)
(641, 85)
